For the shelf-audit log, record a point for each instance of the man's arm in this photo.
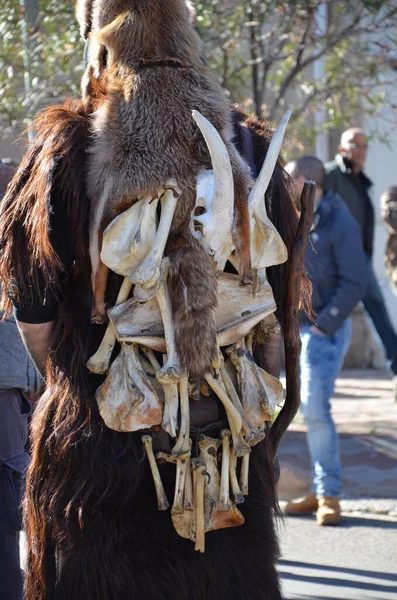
(36, 337)
(352, 272)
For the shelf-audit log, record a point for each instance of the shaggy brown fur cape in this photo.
(90, 507)
(146, 57)
(89, 492)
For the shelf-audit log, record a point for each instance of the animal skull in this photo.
(217, 221)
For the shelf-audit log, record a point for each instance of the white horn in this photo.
(260, 187)
(218, 220)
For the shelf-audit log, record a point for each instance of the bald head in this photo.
(353, 147)
(350, 134)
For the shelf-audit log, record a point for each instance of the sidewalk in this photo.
(366, 416)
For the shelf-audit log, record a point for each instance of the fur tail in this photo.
(192, 287)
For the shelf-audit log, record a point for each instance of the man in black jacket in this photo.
(346, 178)
(335, 264)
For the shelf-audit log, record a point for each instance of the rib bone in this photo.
(161, 497)
(148, 273)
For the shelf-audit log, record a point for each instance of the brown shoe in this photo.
(302, 506)
(328, 512)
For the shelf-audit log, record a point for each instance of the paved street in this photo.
(358, 560)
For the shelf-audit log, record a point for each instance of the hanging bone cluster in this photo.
(144, 389)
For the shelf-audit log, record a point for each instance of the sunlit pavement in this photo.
(358, 559)
(355, 561)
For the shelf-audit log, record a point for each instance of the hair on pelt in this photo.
(89, 493)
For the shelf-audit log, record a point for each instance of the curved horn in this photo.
(260, 187)
(223, 176)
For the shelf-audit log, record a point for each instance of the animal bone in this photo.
(267, 247)
(188, 496)
(238, 497)
(182, 446)
(274, 391)
(201, 474)
(249, 434)
(171, 371)
(224, 503)
(217, 515)
(182, 463)
(127, 240)
(245, 461)
(258, 191)
(161, 497)
(171, 399)
(233, 416)
(163, 457)
(217, 221)
(148, 273)
(253, 393)
(236, 314)
(127, 400)
(99, 362)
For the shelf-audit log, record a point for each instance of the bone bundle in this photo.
(146, 387)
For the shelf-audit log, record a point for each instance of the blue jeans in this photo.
(375, 307)
(320, 362)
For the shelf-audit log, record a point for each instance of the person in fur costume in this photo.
(93, 527)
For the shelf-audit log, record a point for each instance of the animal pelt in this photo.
(192, 304)
(144, 135)
(30, 264)
(88, 489)
(123, 548)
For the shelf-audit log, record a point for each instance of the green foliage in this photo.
(268, 50)
(264, 52)
(51, 58)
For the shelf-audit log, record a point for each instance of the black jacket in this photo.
(335, 263)
(354, 190)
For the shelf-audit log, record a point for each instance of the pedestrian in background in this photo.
(345, 177)
(388, 205)
(335, 264)
(18, 376)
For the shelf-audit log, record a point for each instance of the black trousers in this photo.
(375, 306)
(14, 412)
